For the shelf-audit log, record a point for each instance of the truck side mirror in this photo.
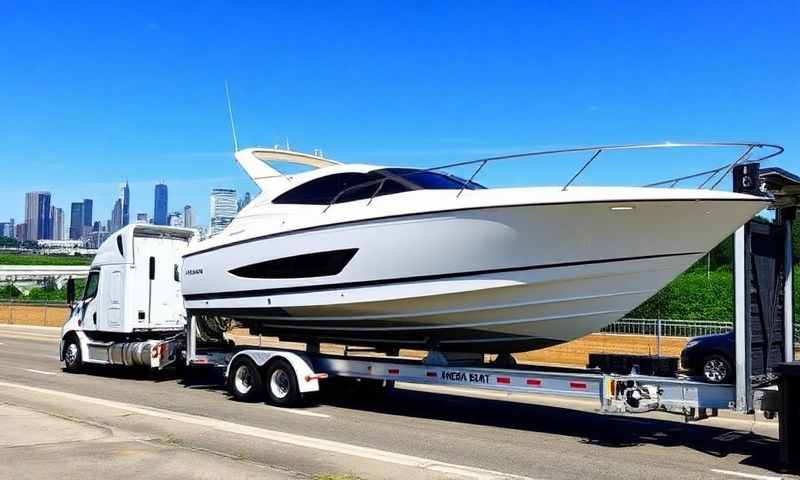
(70, 290)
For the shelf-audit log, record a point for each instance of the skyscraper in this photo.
(141, 218)
(56, 223)
(125, 197)
(223, 209)
(87, 216)
(116, 217)
(160, 208)
(188, 216)
(37, 215)
(21, 232)
(175, 219)
(77, 219)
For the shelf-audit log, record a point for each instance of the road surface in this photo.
(127, 424)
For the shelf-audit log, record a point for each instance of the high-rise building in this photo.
(87, 215)
(160, 207)
(223, 209)
(188, 216)
(125, 197)
(7, 229)
(21, 232)
(76, 219)
(175, 219)
(116, 217)
(37, 215)
(141, 218)
(56, 223)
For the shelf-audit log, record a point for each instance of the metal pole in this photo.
(658, 337)
(788, 292)
(742, 377)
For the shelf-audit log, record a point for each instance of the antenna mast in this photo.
(230, 115)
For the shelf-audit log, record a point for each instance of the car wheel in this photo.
(717, 369)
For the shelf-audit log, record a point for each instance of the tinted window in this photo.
(323, 190)
(418, 179)
(91, 285)
(319, 264)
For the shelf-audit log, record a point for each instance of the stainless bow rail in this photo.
(745, 157)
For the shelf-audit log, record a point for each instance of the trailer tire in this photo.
(281, 382)
(245, 382)
(73, 362)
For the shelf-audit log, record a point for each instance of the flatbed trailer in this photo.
(286, 375)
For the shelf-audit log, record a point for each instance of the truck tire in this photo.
(282, 384)
(245, 382)
(73, 362)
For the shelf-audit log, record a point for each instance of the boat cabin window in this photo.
(322, 191)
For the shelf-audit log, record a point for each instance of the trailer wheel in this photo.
(282, 384)
(245, 383)
(72, 354)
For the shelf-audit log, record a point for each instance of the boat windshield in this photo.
(351, 186)
(415, 179)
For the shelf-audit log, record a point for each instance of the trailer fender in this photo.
(307, 379)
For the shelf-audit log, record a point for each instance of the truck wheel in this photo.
(245, 383)
(72, 354)
(282, 384)
(717, 369)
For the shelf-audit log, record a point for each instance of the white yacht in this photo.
(405, 258)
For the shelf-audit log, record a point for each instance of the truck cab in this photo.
(132, 297)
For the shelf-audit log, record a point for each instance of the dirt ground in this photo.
(45, 316)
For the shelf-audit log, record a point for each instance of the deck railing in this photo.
(708, 178)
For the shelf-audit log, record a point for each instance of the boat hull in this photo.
(500, 279)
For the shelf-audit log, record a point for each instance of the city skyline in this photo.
(55, 225)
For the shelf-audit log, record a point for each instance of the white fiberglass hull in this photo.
(491, 279)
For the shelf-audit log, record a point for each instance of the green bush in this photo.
(694, 295)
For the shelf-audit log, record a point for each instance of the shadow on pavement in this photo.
(609, 431)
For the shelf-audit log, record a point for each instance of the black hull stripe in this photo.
(389, 281)
(417, 214)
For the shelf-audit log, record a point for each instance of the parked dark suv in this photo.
(711, 357)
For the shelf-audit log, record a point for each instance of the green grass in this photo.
(15, 259)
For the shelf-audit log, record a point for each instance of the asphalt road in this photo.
(412, 432)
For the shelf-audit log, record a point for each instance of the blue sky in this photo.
(92, 94)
